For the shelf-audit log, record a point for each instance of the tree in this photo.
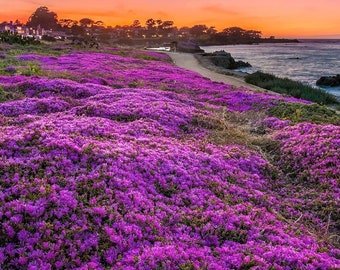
(104, 35)
(166, 27)
(67, 23)
(77, 30)
(159, 24)
(136, 24)
(253, 34)
(86, 22)
(236, 35)
(198, 30)
(150, 24)
(150, 27)
(136, 29)
(121, 32)
(98, 24)
(44, 18)
(234, 31)
(211, 31)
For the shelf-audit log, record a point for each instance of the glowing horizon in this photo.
(281, 18)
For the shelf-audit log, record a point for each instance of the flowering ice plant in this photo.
(103, 165)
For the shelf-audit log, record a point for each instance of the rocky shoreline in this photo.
(205, 60)
(331, 81)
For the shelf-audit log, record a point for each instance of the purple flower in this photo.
(108, 162)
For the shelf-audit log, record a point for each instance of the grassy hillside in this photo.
(120, 160)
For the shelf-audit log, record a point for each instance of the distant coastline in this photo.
(320, 40)
(305, 61)
(259, 41)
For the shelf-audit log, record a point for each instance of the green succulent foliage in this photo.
(290, 87)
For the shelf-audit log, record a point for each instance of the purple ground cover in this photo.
(110, 169)
(120, 72)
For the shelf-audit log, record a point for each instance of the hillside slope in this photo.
(121, 160)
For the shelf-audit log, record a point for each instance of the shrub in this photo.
(48, 38)
(31, 68)
(298, 112)
(3, 95)
(9, 38)
(12, 65)
(290, 87)
(145, 57)
(8, 95)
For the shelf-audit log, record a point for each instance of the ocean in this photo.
(305, 61)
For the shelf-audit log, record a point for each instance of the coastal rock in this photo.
(329, 81)
(189, 47)
(225, 60)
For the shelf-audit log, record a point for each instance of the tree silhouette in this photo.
(236, 35)
(166, 27)
(150, 24)
(151, 27)
(136, 24)
(211, 31)
(239, 35)
(155, 29)
(86, 22)
(136, 29)
(67, 23)
(198, 30)
(98, 24)
(44, 18)
(78, 30)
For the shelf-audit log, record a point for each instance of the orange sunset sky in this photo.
(281, 18)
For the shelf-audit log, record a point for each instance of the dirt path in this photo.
(188, 61)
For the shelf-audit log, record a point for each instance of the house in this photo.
(22, 30)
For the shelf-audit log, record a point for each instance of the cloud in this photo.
(206, 21)
(33, 2)
(217, 9)
(39, 3)
(88, 13)
(162, 14)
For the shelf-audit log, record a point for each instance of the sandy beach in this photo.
(188, 61)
